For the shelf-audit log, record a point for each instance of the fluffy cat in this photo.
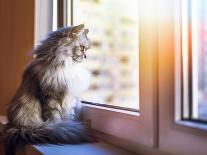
(45, 108)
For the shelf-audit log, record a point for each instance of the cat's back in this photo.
(24, 108)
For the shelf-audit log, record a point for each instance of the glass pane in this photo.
(199, 58)
(113, 58)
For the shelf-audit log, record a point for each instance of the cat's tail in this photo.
(66, 132)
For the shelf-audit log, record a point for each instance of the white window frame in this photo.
(43, 24)
(175, 136)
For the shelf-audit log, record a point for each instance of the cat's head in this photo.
(68, 43)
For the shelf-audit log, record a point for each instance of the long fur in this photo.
(46, 108)
(65, 132)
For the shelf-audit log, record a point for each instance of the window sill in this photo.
(192, 125)
(88, 149)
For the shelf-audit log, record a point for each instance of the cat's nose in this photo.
(86, 31)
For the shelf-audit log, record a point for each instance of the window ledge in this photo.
(194, 125)
(86, 149)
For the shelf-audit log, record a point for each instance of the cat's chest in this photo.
(75, 79)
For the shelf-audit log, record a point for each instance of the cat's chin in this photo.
(70, 61)
(79, 59)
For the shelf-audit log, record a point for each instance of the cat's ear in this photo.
(76, 29)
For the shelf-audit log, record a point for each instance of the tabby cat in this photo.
(46, 108)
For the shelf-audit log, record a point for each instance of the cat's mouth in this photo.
(79, 55)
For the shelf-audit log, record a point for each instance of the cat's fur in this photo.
(45, 108)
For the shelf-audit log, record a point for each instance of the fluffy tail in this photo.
(66, 132)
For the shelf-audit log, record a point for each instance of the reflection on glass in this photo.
(199, 58)
(113, 58)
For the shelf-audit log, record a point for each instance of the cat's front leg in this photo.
(51, 111)
(71, 108)
(78, 113)
(56, 110)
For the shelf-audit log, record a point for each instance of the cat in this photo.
(46, 106)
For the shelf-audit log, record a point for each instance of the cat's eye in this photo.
(82, 48)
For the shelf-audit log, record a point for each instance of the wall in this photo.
(16, 39)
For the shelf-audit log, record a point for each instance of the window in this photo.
(111, 120)
(178, 133)
(170, 73)
(118, 63)
(113, 58)
(194, 47)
